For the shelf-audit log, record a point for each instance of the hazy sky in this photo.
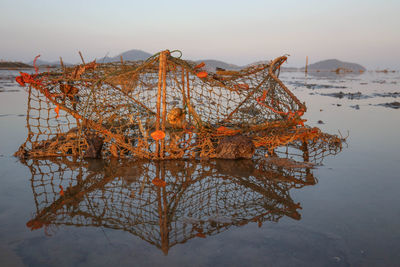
(240, 32)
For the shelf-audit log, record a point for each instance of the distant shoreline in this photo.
(6, 65)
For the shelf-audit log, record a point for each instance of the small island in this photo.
(14, 65)
(335, 65)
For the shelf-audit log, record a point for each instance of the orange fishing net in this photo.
(162, 108)
(170, 202)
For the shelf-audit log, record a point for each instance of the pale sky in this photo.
(239, 32)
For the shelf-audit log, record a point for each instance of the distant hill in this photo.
(212, 64)
(131, 55)
(13, 65)
(334, 64)
(136, 54)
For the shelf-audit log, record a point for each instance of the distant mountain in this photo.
(212, 64)
(131, 55)
(135, 55)
(334, 64)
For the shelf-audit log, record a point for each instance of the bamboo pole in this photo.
(161, 67)
(164, 100)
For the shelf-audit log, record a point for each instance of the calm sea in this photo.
(343, 212)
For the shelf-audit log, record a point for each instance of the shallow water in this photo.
(341, 213)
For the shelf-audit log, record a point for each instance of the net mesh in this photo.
(199, 199)
(162, 108)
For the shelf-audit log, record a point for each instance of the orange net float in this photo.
(158, 135)
(57, 110)
(199, 66)
(202, 74)
(158, 182)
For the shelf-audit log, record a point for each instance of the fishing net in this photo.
(195, 199)
(161, 108)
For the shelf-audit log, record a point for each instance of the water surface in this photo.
(343, 212)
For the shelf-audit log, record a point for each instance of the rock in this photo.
(95, 143)
(320, 122)
(395, 105)
(350, 96)
(235, 147)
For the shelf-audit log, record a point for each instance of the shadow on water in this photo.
(199, 199)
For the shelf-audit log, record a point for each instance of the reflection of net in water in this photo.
(199, 199)
(164, 107)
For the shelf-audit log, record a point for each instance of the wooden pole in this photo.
(62, 64)
(188, 95)
(160, 70)
(164, 100)
(306, 70)
(83, 61)
(183, 87)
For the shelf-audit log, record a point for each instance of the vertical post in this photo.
(62, 64)
(83, 61)
(164, 100)
(29, 110)
(161, 90)
(184, 104)
(183, 87)
(159, 102)
(306, 69)
(188, 95)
